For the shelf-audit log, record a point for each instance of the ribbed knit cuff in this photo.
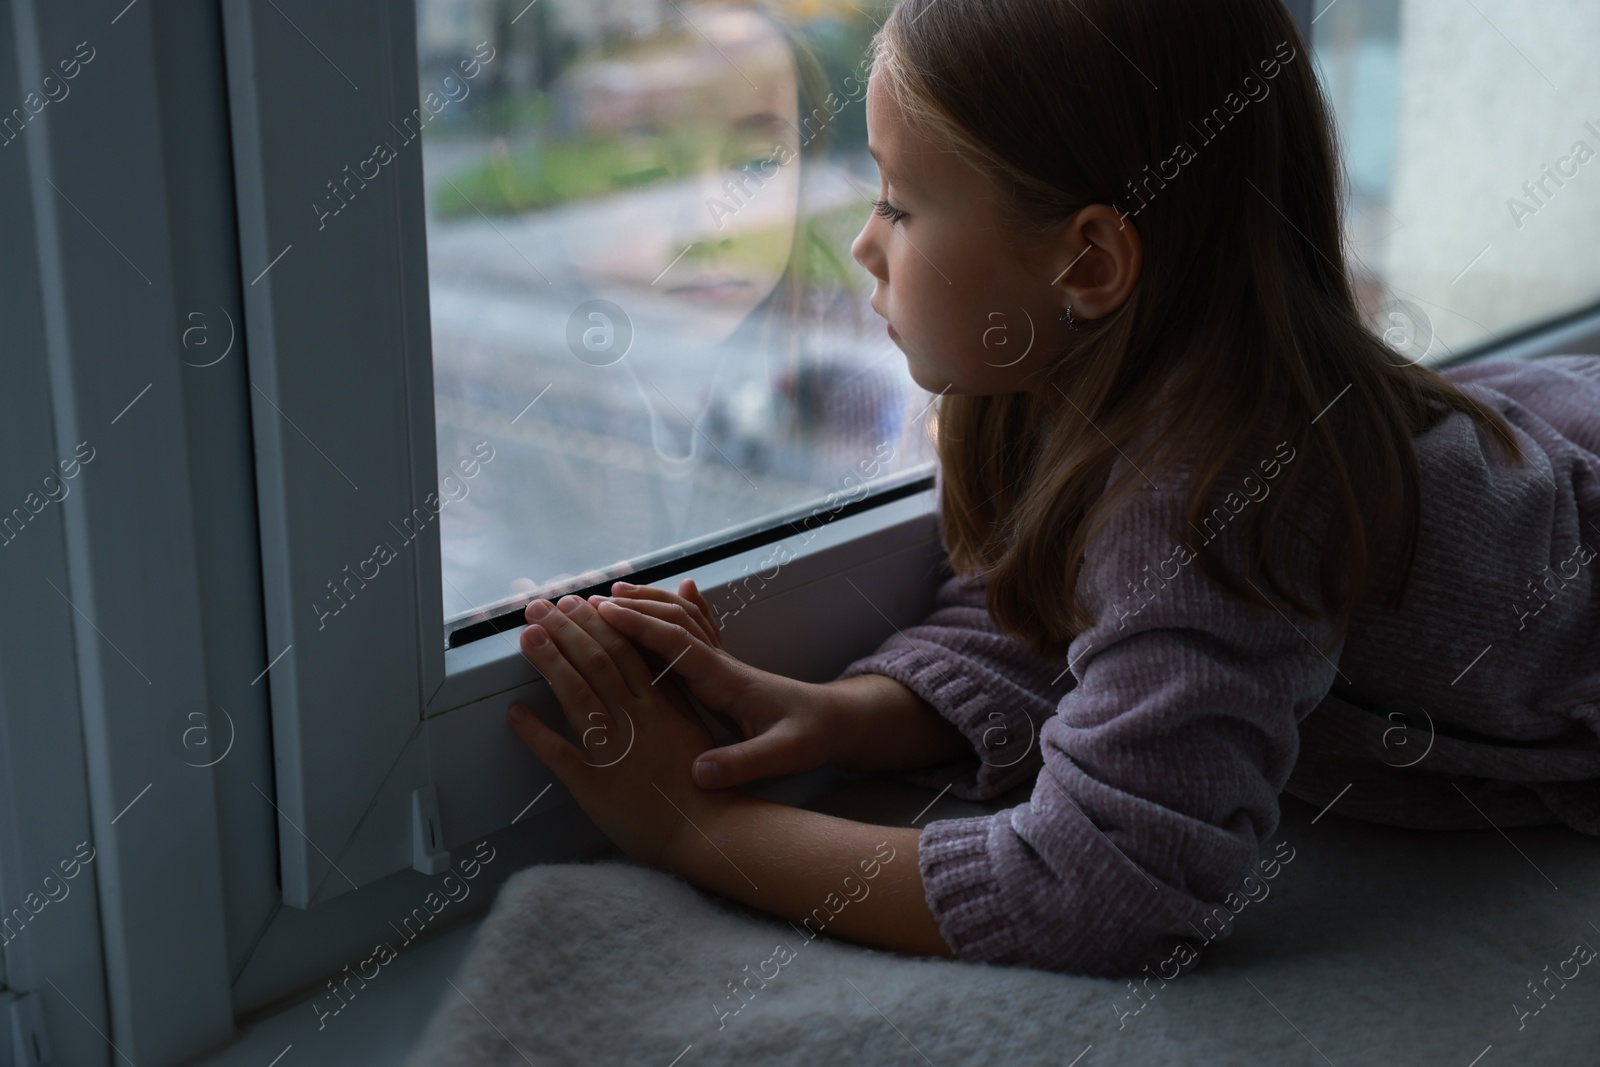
(918, 668)
(961, 890)
(954, 696)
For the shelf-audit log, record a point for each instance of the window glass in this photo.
(1470, 133)
(648, 332)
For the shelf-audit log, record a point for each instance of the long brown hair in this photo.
(1243, 327)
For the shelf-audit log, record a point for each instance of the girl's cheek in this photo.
(917, 276)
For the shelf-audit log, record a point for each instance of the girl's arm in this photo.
(857, 881)
(991, 688)
(1161, 770)
(851, 880)
(885, 726)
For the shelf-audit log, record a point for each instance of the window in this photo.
(1470, 131)
(643, 303)
(469, 378)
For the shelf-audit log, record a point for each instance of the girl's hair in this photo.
(1205, 125)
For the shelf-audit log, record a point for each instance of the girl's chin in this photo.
(924, 381)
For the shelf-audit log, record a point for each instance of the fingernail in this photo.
(538, 609)
(518, 713)
(537, 637)
(624, 586)
(708, 774)
(568, 604)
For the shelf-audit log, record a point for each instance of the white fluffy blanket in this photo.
(1373, 945)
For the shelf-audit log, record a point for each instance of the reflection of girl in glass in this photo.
(709, 252)
(716, 253)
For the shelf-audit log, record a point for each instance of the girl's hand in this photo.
(790, 726)
(637, 736)
(687, 607)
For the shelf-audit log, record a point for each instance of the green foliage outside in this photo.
(553, 171)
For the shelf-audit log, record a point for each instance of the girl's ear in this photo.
(1099, 257)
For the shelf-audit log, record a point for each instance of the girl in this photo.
(1212, 541)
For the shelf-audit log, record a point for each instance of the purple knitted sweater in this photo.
(1157, 757)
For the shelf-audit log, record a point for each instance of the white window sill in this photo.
(377, 1028)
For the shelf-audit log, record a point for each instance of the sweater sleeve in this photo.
(1160, 770)
(991, 686)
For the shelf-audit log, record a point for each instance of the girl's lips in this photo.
(892, 335)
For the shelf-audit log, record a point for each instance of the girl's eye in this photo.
(886, 210)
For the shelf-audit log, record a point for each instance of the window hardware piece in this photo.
(428, 854)
(24, 1042)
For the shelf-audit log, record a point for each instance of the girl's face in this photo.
(972, 308)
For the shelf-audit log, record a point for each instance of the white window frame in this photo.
(359, 698)
(99, 265)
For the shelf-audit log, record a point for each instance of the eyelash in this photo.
(888, 211)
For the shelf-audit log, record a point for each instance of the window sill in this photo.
(495, 665)
(377, 1029)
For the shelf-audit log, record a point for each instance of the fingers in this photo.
(778, 751)
(715, 678)
(668, 612)
(688, 656)
(691, 592)
(586, 696)
(553, 750)
(603, 657)
(659, 599)
(662, 610)
(574, 692)
(703, 620)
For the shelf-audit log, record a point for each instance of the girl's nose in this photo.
(704, 211)
(866, 251)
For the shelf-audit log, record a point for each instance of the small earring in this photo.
(1068, 319)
